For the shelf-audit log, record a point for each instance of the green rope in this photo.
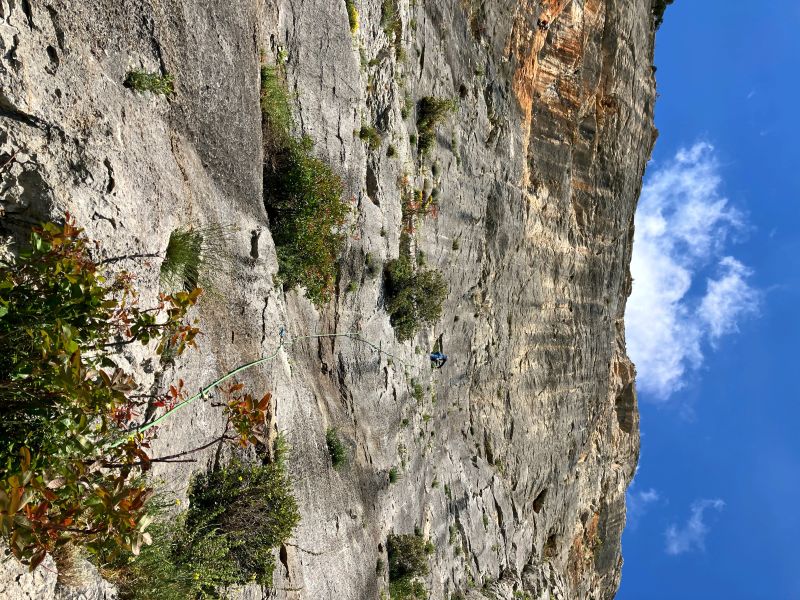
(202, 393)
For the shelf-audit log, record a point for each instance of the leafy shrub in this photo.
(70, 469)
(414, 296)
(237, 516)
(303, 197)
(307, 214)
(408, 561)
(142, 81)
(337, 450)
(352, 15)
(430, 112)
(370, 136)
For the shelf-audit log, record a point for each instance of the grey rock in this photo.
(533, 429)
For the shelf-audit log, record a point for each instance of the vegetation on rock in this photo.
(408, 562)
(141, 81)
(75, 435)
(414, 295)
(659, 7)
(303, 197)
(195, 257)
(238, 515)
(352, 15)
(370, 136)
(430, 113)
(70, 465)
(337, 450)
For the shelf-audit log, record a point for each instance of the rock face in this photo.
(516, 457)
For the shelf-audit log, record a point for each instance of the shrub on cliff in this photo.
(414, 295)
(430, 112)
(303, 198)
(336, 448)
(408, 562)
(659, 7)
(238, 515)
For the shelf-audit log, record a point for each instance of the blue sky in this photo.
(713, 321)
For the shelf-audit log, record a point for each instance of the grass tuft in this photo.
(196, 256)
(276, 111)
(141, 81)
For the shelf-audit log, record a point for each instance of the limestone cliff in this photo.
(516, 459)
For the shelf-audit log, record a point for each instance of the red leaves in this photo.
(247, 415)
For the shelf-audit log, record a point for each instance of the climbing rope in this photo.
(283, 343)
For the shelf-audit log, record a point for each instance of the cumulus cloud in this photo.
(683, 226)
(691, 535)
(638, 503)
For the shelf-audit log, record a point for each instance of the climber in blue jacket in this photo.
(438, 359)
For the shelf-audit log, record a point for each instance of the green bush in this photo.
(237, 516)
(408, 561)
(337, 450)
(303, 197)
(70, 468)
(307, 215)
(414, 296)
(370, 136)
(430, 112)
(142, 81)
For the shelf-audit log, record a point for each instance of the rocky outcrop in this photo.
(516, 458)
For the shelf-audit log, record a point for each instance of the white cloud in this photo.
(692, 535)
(728, 298)
(638, 503)
(682, 226)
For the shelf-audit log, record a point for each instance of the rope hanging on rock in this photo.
(283, 343)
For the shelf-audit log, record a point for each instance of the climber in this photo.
(438, 359)
(543, 24)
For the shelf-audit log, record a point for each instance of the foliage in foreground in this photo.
(237, 516)
(408, 562)
(303, 197)
(70, 470)
(414, 295)
(141, 81)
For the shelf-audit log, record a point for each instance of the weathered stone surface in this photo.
(517, 459)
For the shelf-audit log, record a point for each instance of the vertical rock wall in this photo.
(516, 458)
